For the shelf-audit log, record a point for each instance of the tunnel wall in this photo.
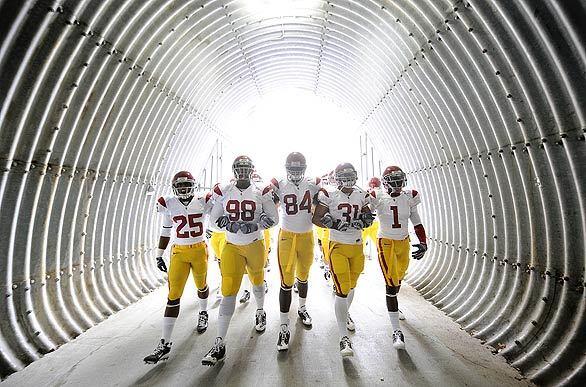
(483, 101)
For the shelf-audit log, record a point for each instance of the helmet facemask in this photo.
(295, 172)
(395, 180)
(346, 178)
(243, 169)
(184, 188)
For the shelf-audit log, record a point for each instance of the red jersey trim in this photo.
(161, 201)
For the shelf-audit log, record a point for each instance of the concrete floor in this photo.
(438, 352)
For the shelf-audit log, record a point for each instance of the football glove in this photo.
(222, 221)
(358, 224)
(161, 265)
(421, 249)
(233, 227)
(247, 228)
(367, 218)
(265, 221)
(340, 225)
(328, 220)
(208, 233)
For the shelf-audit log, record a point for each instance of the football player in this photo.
(395, 207)
(370, 233)
(183, 216)
(345, 212)
(295, 195)
(244, 211)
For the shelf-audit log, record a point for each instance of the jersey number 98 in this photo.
(243, 210)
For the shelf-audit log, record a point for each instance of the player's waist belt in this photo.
(185, 247)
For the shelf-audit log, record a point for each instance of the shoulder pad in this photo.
(275, 182)
(208, 197)
(217, 189)
(317, 181)
(266, 190)
(162, 202)
(413, 193)
(372, 193)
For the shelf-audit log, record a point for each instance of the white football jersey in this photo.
(394, 213)
(346, 207)
(295, 203)
(243, 205)
(186, 221)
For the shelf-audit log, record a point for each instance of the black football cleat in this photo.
(202, 321)
(216, 354)
(160, 353)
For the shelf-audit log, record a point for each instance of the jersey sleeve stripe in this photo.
(161, 201)
(275, 182)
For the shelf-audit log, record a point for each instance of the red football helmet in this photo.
(243, 168)
(183, 185)
(295, 166)
(345, 175)
(374, 182)
(394, 178)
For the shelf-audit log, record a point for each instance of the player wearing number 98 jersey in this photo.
(244, 211)
(183, 216)
(345, 212)
(295, 194)
(395, 207)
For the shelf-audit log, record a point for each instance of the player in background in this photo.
(394, 207)
(345, 212)
(243, 210)
(369, 234)
(295, 195)
(183, 216)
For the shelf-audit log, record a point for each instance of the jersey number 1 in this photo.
(395, 211)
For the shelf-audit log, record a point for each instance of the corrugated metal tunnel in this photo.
(483, 101)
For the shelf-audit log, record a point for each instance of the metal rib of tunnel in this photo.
(482, 101)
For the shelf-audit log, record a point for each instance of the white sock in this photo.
(350, 298)
(259, 295)
(394, 316)
(341, 308)
(203, 304)
(302, 303)
(284, 318)
(227, 307)
(168, 325)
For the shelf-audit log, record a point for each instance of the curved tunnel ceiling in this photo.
(483, 101)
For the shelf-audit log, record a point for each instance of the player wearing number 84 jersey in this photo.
(183, 217)
(295, 194)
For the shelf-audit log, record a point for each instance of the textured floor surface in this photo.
(438, 352)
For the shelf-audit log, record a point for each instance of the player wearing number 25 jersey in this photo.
(295, 247)
(345, 212)
(395, 207)
(183, 217)
(244, 211)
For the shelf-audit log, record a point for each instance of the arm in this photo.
(270, 215)
(319, 212)
(165, 234)
(419, 229)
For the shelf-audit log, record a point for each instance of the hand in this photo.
(340, 225)
(358, 224)
(222, 221)
(367, 218)
(247, 228)
(208, 233)
(421, 249)
(265, 221)
(161, 265)
(327, 220)
(233, 227)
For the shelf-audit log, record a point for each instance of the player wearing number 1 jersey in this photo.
(244, 211)
(295, 247)
(395, 207)
(183, 218)
(345, 212)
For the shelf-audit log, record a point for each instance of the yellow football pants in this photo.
(393, 257)
(236, 260)
(218, 241)
(371, 232)
(346, 264)
(295, 255)
(323, 234)
(186, 258)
